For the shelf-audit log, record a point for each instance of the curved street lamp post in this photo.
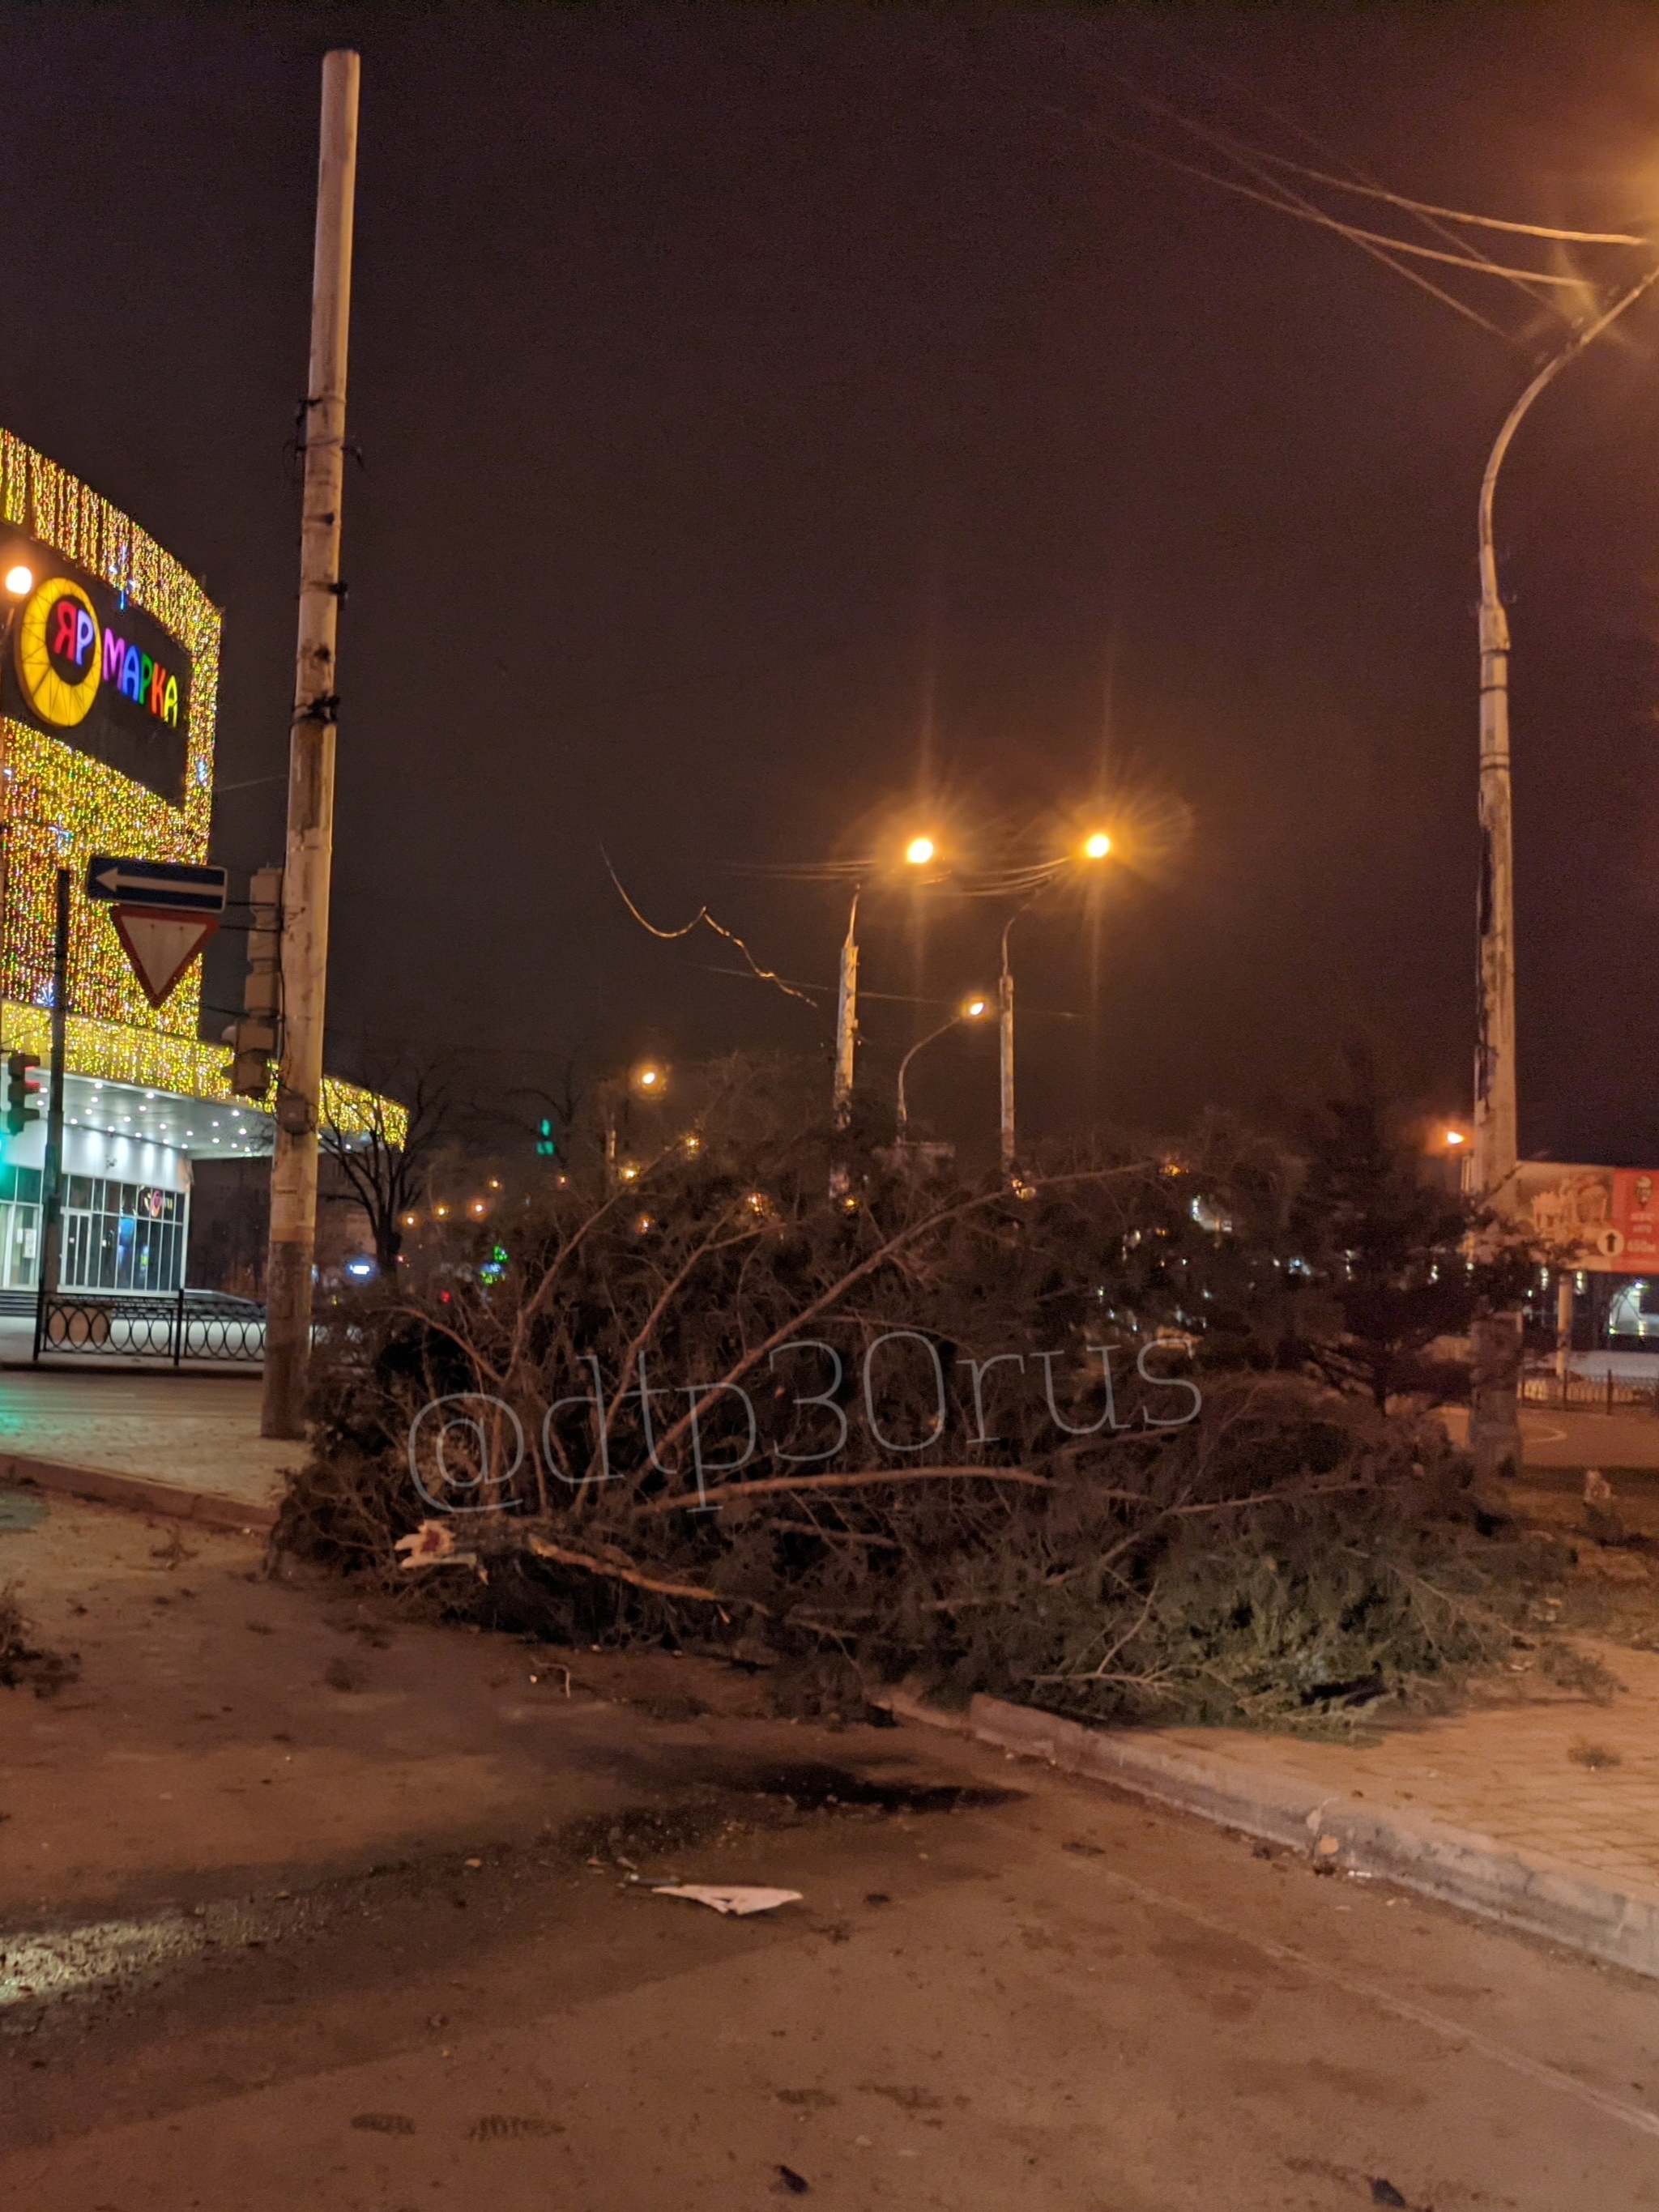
(972, 1009)
(1495, 1338)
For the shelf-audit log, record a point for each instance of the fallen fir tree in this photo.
(784, 1395)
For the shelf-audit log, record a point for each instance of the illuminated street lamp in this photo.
(20, 581)
(920, 850)
(1097, 846)
(974, 1008)
(646, 1079)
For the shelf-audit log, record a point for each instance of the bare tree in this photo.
(382, 1151)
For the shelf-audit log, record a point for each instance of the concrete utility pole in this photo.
(310, 772)
(1495, 1338)
(846, 1047)
(1007, 1143)
(846, 1021)
(1006, 1064)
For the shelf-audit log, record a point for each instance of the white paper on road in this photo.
(730, 1901)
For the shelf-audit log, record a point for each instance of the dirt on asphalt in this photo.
(300, 1903)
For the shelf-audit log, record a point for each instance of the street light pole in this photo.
(902, 1118)
(1006, 1055)
(971, 1010)
(918, 853)
(1096, 846)
(310, 772)
(1495, 1339)
(847, 1020)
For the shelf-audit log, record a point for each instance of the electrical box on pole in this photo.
(22, 1091)
(256, 1038)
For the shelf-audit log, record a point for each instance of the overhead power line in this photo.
(699, 919)
(1246, 156)
(1455, 215)
(1291, 207)
(1294, 204)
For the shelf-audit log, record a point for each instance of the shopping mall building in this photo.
(108, 684)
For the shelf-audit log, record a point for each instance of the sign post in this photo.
(52, 1209)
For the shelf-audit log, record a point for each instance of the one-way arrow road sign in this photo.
(165, 913)
(159, 886)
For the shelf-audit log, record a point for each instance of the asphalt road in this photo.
(306, 1904)
(1052, 1997)
(1628, 1437)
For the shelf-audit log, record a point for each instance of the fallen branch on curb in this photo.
(616, 1571)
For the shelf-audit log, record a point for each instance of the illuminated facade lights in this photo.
(108, 695)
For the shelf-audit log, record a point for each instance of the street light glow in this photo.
(919, 851)
(20, 581)
(649, 1076)
(1097, 847)
(1456, 1137)
(976, 1008)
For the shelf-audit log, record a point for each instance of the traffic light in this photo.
(254, 1039)
(22, 1091)
(547, 1144)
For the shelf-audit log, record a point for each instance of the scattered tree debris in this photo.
(25, 1666)
(1107, 1444)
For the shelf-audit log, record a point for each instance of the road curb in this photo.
(1531, 1891)
(208, 1509)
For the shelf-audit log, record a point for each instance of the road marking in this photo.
(1549, 2077)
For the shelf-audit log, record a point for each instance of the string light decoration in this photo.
(58, 806)
(117, 1052)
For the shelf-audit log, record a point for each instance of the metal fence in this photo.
(1587, 1394)
(191, 1325)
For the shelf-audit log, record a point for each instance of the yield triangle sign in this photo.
(161, 946)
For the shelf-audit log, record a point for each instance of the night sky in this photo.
(770, 416)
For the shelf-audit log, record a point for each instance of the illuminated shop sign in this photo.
(97, 673)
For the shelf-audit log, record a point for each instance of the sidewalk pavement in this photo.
(1543, 1814)
(185, 1445)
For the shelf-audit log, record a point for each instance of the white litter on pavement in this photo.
(730, 1901)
